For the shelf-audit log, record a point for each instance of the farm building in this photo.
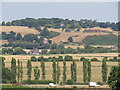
(35, 52)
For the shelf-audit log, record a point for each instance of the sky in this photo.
(100, 11)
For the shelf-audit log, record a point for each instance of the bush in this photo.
(94, 59)
(36, 82)
(69, 82)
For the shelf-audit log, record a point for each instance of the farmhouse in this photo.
(35, 52)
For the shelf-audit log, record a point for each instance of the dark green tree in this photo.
(29, 69)
(36, 73)
(58, 73)
(54, 72)
(70, 39)
(14, 67)
(21, 71)
(43, 70)
(74, 71)
(89, 70)
(18, 36)
(85, 74)
(18, 71)
(114, 78)
(64, 72)
(3, 23)
(104, 69)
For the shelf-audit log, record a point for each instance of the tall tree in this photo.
(114, 78)
(58, 73)
(18, 71)
(89, 70)
(54, 71)
(85, 70)
(64, 72)
(29, 69)
(13, 67)
(71, 71)
(36, 73)
(21, 71)
(104, 69)
(74, 71)
(43, 70)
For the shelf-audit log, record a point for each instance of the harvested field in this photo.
(19, 29)
(96, 66)
(80, 35)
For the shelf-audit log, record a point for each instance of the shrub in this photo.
(69, 82)
(36, 82)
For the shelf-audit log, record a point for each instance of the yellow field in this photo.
(96, 66)
(19, 29)
(65, 35)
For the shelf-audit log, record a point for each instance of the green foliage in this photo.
(36, 81)
(43, 70)
(18, 51)
(68, 58)
(74, 67)
(114, 78)
(18, 71)
(61, 23)
(29, 69)
(54, 71)
(70, 39)
(7, 76)
(48, 34)
(36, 73)
(30, 37)
(3, 23)
(101, 40)
(104, 69)
(58, 73)
(85, 71)
(14, 67)
(64, 72)
(33, 58)
(89, 70)
(19, 36)
(94, 59)
(69, 82)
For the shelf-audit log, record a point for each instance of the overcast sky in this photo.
(100, 11)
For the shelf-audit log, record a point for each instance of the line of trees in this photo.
(16, 71)
(60, 23)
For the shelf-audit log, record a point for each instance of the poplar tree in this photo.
(21, 71)
(71, 71)
(36, 73)
(43, 70)
(18, 75)
(13, 67)
(104, 69)
(64, 72)
(85, 70)
(74, 71)
(29, 69)
(58, 73)
(89, 70)
(54, 71)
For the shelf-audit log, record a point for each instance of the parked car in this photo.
(93, 84)
(52, 85)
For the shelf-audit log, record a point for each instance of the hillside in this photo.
(77, 36)
(19, 29)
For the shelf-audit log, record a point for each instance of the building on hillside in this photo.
(35, 52)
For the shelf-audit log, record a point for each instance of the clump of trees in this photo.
(60, 23)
